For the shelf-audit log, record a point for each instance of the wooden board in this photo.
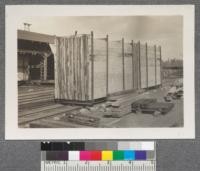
(99, 68)
(143, 66)
(151, 66)
(158, 68)
(128, 67)
(115, 67)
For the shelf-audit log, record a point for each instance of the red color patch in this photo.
(95, 155)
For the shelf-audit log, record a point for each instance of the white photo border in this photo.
(16, 12)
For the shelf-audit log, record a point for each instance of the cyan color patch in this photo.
(129, 155)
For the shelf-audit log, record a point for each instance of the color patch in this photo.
(150, 155)
(129, 155)
(118, 155)
(85, 155)
(124, 145)
(148, 146)
(140, 155)
(107, 155)
(62, 155)
(73, 155)
(51, 155)
(95, 155)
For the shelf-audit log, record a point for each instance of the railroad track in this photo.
(48, 112)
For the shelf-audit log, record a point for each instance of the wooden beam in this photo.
(161, 74)
(132, 49)
(139, 64)
(92, 65)
(123, 69)
(155, 65)
(107, 64)
(33, 36)
(34, 52)
(146, 54)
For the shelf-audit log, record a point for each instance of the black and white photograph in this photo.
(114, 72)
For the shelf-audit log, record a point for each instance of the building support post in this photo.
(45, 68)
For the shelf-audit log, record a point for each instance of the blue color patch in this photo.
(129, 155)
(140, 155)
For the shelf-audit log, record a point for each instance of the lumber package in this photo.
(87, 68)
(122, 105)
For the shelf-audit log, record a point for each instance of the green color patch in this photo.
(118, 155)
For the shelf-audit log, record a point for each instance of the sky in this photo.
(166, 31)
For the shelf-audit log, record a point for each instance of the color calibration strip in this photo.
(98, 155)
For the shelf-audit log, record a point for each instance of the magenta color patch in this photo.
(85, 155)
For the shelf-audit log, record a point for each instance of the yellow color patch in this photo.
(107, 155)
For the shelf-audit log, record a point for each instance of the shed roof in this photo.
(33, 36)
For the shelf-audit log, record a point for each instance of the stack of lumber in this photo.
(31, 97)
(122, 106)
(84, 71)
(72, 74)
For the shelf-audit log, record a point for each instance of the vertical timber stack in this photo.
(72, 74)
